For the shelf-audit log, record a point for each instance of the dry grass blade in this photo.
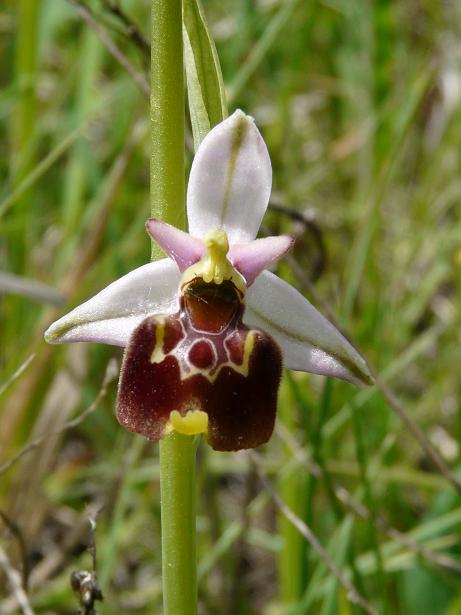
(111, 47)
(83, 261)
(130, 28)
(417, 432)
(14, 579)
(361, 511)
(352, 593)
(19, 285)
(110, 376)
(430, 556)
(56, 557)
(392, 399)
(21, 369)
(18, 535)
(40, 169)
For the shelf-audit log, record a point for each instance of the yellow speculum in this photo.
(192, 423)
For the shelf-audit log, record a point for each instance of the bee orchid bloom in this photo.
(207, 330)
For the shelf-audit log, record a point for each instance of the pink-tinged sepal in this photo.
(183, 248)
(250, 259)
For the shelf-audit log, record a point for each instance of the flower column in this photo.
(177, 451)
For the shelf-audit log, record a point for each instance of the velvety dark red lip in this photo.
(202, 358)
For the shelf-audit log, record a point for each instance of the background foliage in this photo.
(359, 103)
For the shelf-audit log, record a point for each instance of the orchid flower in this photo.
(207, 330)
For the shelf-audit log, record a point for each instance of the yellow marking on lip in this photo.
(194, 422)
(242, 369)
(247, 350)
(158, 355)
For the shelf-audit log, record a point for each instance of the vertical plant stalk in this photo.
(178, 491)
(167, 185)
(177, 452)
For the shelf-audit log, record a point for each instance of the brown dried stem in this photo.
(138, 78)
(84, 260)
(14, 579)
(361, 511)
(110, 375)
(352, 593)
(391, 398)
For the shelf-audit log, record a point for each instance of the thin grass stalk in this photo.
(361, 455)
(291, 488)
(308, 575)
(77, 169)
(261, 47)
(23, 119)
(22, 129)
(22, 396)
(110, 550)
(353, 595)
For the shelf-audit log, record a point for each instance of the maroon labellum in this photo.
(202, 359)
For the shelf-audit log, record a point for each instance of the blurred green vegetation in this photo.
(360, 105)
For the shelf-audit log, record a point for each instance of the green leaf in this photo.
(207, 102)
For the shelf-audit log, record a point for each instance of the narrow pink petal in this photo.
(110, 316)
(252, 258)
(183, 248)
(309, 342)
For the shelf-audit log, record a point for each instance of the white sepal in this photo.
(110, 316)
(309, 342)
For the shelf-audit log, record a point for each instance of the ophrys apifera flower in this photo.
(208, 329)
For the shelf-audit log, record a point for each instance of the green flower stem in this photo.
(178, 490)
(167, 185)
(177, 452)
